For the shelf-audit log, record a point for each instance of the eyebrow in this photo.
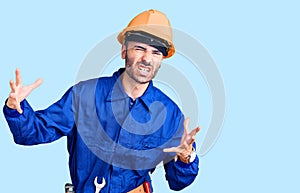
(143, 48)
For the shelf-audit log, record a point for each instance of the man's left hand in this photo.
(185, 148)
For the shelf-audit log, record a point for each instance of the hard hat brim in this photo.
(155, 30)
(143, 37)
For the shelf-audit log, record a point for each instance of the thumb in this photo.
(171, 149)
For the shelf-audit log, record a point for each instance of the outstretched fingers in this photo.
(36, 84)
(196, 130)
(190, 139)
(12, 85)
(188, 136)
(19, 92)
(18, 78)
(172, 149)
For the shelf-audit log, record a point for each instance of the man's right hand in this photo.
(19, 92)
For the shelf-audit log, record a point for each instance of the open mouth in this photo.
(144, 69)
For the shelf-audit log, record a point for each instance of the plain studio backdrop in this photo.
(255, 45)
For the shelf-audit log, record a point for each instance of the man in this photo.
(119, 128)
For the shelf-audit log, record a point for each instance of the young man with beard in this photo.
(119, 128)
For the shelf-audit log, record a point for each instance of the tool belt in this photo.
(143, 188)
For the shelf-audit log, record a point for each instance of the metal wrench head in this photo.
(97, 185)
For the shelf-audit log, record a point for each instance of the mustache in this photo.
(145, 63)
(142, 62)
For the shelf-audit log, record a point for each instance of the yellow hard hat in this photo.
(152, 22)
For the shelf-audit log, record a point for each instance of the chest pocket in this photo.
(141, 142)
(150, 142)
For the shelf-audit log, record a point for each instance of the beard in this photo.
(132, 70)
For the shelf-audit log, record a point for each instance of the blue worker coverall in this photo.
(109, 135)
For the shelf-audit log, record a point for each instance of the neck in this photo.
(132, 88)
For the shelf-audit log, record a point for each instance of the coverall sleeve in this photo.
(43, 126)
(179, 174)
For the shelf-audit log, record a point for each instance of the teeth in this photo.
(144, 69)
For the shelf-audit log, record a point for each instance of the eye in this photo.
(139, 48)
(156, 52)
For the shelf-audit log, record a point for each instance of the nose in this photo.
(146, 58)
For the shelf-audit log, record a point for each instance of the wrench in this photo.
(99, 186)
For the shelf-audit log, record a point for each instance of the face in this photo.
(142, 61)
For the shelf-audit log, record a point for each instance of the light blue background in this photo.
(254, 43)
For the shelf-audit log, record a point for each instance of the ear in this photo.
(123, 51)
